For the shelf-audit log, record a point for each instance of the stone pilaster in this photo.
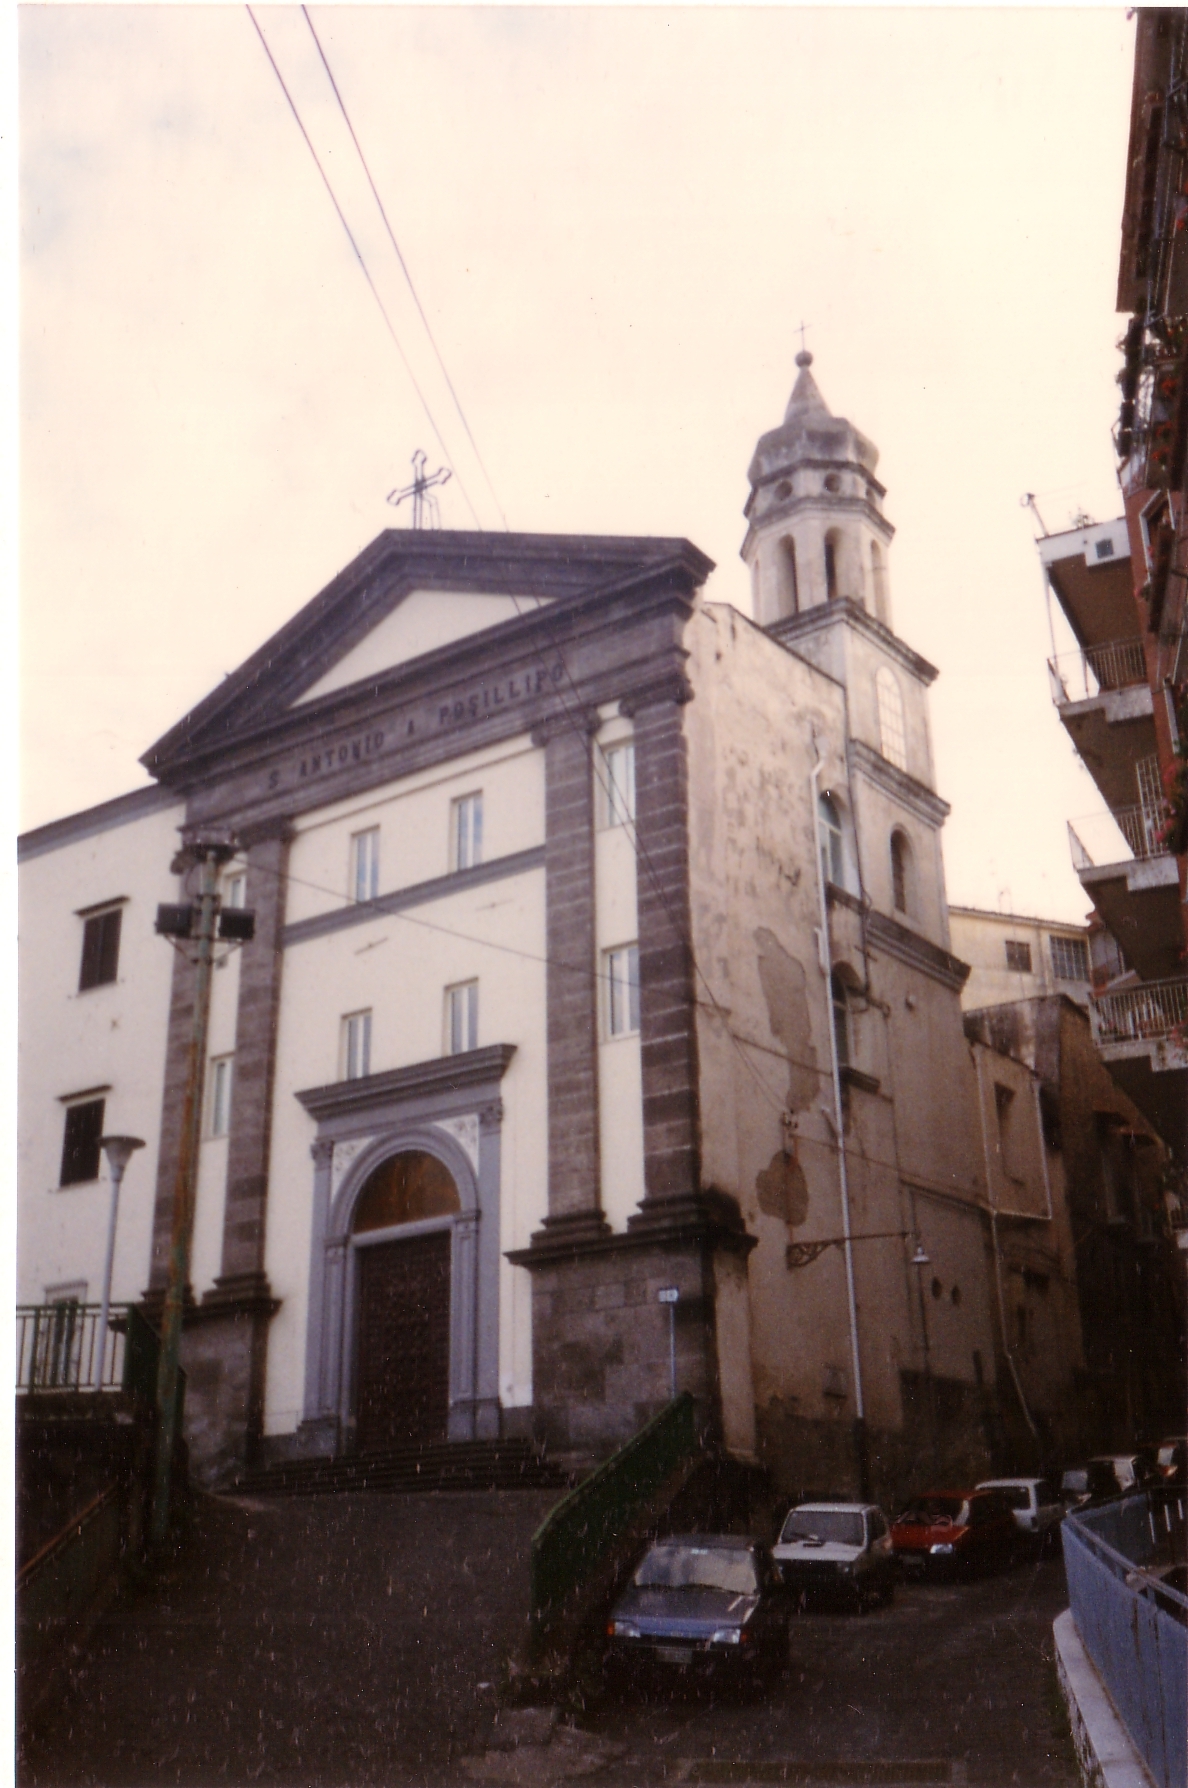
(667, 990)
(177, 1057)
(572, 996)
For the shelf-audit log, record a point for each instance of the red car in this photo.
(955, 1530)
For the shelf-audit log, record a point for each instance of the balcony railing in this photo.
(1095, 840)
(1148, 1013)
(58, 1348)
(1077, 676)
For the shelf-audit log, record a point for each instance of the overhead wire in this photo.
(404, 266)
(362, 263)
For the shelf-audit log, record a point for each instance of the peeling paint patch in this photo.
(782, 1189)
(784, 984)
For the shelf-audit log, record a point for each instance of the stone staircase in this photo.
(431, 1465)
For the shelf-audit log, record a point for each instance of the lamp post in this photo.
(921, 1259)
(119, 1151)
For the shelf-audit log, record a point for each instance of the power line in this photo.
(362, 263)
(404, 266)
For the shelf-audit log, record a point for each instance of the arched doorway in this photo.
(402, 1377)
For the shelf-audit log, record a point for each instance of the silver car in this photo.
(836, 1551)
(1036, 1505)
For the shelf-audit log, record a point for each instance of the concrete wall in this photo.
(980, 938)
(111, 1036)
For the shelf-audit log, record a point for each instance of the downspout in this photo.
(1043, 1147)
(1002, 1321)
(825, 957)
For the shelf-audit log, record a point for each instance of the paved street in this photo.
(357, 1639)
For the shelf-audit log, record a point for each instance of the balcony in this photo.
(1148, 1020)
(1090, 572)
(1127, 873)
(1105, 704)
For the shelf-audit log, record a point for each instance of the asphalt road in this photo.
(343, 1641)
(951, 1683)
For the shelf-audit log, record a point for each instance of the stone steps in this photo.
(433, 1465)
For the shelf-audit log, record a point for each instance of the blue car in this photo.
(700, 1604)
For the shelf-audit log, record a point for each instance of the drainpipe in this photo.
(1043, 1147)
(839, 1126)
(1006, 1346)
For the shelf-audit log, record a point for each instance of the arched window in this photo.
(831, 543)
(406, 1188)
(878, 572)
(902, 873)
(789, 597)
(892, 737)
(841, 1018)
(829, 831)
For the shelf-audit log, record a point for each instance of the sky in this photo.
(615, 221)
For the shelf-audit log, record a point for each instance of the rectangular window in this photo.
(618, 790)
(235, 890)
(461, 1017)
(1070, 958)
(365, 864)
(80, 1143)
(101, 949)
(621, 972)
(219, 1108)
(356, 1045)
(467, 832)
(1018, 956)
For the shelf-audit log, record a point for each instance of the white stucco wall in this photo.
(398, 966)
(71, 1041)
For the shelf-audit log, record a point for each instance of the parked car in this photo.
(836, 1550)
(955, 1531)
(700, 1603)
(1171, 1459)
(1131, 1471)
(1087, 1483)
(1036, 1505)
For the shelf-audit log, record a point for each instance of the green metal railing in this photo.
(582, 1532)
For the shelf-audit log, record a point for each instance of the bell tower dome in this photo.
(817, 532)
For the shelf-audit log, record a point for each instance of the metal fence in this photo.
(1142, 1014)
(1132, 1626)
(1077, 676)
(58, 1347)
(578, 1535)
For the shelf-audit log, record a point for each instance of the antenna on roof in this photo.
(425, 511)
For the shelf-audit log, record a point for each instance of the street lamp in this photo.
(119, 1151)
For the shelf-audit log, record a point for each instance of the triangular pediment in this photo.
(422, 621)
(407, 597)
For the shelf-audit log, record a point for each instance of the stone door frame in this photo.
(451, 1109)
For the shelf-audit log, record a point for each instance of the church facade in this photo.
(601, 951)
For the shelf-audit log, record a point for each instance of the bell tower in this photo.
(817, 531)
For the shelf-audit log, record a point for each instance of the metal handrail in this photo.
(58, 1348)
(1078, 676)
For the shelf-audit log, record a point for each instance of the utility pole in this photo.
(198, 922)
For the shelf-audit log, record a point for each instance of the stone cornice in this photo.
(444, 1074)
(888, 935)
(827, 614)
(125, 810)
(904, 788)
(457, 882)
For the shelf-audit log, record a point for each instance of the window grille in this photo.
(892, 736)
(1018, 956)
(1070, 958)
